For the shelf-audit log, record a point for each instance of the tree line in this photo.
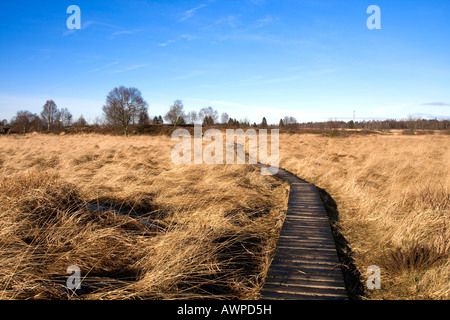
(125, 108)
(411, 123)
(51, 118)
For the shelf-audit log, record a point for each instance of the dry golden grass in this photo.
(213, 226)
(393, 197)
(213, 231)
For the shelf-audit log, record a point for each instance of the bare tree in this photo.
(81, 122)
(175, 115)
(245, 122)
(289, 120)
(25, 121)
(50, 113)
(66, 117)
(99, 121)
(123, 106)
(412, 122)
(210, 114)
(224, 118)
(191, 117)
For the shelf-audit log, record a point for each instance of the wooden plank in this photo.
(306, 248)
(288, 296)
(302, 279)
(305, 264)
(308, 290)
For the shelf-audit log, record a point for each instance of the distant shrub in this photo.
(424, 132)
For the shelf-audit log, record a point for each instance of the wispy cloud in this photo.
(230, 20)
(69, 31)
(261, 80)
(60, 84)
(129, 68)
(428, 116)
(265, 21)
(84, 25)
(90, 71)
(436, 104)
(105, 67)
(182, 37)
(190, 13)
(89, 58)
(186, 76)
(123, 32)
(267, 39)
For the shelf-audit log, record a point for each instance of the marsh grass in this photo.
(215, 226)
(393, 198)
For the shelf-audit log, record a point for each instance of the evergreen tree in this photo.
(264, 122)
(351, 124)
(208, 121)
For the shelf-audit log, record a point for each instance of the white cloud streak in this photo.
(133, 67)
(105, 67)
(190, 13)
(436, 104)
(182, 37)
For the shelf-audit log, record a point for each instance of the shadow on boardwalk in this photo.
(352, 276)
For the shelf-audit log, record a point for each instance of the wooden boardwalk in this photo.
(305, 265)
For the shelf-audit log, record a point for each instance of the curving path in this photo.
(305, 264)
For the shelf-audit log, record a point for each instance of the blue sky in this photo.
(315, 60)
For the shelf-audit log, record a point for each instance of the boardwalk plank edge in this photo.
(304, 266)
